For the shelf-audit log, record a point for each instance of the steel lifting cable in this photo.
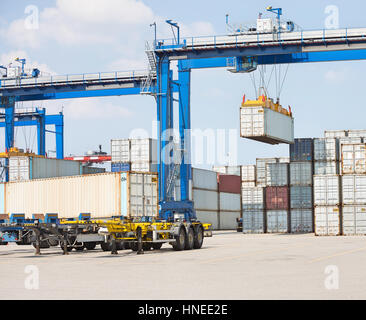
(284, 78)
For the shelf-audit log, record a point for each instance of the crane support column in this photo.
(8, 103)
(59, 129)
(41, 132)
(184, 76)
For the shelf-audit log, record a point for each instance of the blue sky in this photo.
(91, 35)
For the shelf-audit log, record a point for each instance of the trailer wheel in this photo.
(189, 240)
(146, 246)
(106, 246)
(157, 246)
(53, 242)
(79, 246)
(133, 246)
(198, 237)
(180, 240)
(43, 244)
(90, 245)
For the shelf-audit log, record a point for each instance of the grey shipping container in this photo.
(326, 149)
(277, 174)
(204, 179)
(354, 220)
(253, 221)
(327, 190)
(92, 170)
(29, 168)
(301, 173)
(252, 198)
(326, 167)
(209, 217)
(277, 221)
(229, 202)
(227, 220)
(301, 197)
(327, 220)
(354, 189)
(301, 220)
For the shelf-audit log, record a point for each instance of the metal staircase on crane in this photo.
(146, 85)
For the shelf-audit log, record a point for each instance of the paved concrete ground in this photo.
(229, 266)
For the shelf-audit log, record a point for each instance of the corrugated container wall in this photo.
(144, 166)
(248, 173)
(120, 167)
(229, 202)
(2, 198)
(120, 150)
(266, 125)
(301, 150)
(354, 159)
(277, 174)
(144, 150)
(92, 170)
(204, 179)
(327, 221)
(327, 190)
(230, 170)
(354, 220)
(101, 195)
(252, 198)
(326, 167)
(335, 133)
(357, 133)
(277, 221)
(354, 189)
(301, 220)
(277, 198)
(229, 184)
(301, 173)
(326, 149)
(301, 197)
(262, 170)
(253, 221)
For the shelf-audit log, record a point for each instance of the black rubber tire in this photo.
(120, 245)
(198, 237)
(180, 240)
(126, 245)
(146, 246)
(3, 243)
(53, 242)
(189, 240)
(43, 245)
(90, 245)
(133, 246)
(157, 246)
(79, 247)
(106, 246)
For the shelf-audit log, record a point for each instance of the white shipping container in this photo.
(261, 170)
(301, 220)
(354, 220)
(248, 184)
(253, 221)
(205, 200)
(326, 167)
(327, 221)
(277, 221)
(230, 170)
(277, 174)
(266, 125)
(121, 150)
(335, 133)
(327, 190)
(326, 149)
(228, 220)
(354, 189)
(229, 202)
(204, 179)
(144, 166)
(219, 169)
(101, 195)
(357, 133)
(301, 173)
(354, 158)
(28, 168)
(144, 150)
(284, 159)
(248, 173)
(252, 198)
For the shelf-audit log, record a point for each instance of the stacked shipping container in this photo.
(301, 182)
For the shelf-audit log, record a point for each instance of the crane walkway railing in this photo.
(104, 78)
(257, 39)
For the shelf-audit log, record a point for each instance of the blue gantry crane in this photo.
(242, 52)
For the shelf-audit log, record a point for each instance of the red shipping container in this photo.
(277, 198)
(229, 183)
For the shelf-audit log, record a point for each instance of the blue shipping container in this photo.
(302, 150)
(120, 167)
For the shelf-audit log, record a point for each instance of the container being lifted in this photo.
(265, 121)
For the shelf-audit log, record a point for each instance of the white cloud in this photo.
(337, 76)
